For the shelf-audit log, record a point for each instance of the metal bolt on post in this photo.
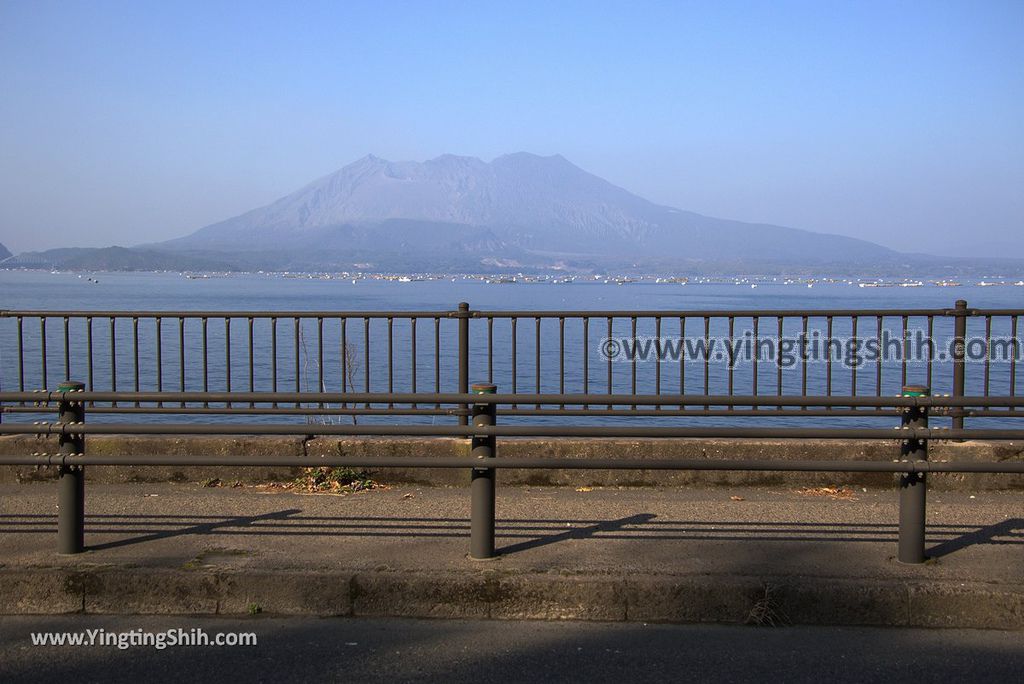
(481, 545)
(71, 485)
(913, 486)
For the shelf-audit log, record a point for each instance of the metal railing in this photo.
(912, 435)
(525, 352)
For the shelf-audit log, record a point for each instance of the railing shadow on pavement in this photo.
(521, 534)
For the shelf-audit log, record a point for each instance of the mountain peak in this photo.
(544, 205)
(530, 156)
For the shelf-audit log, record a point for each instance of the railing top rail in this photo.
(44, 396)
(518, 313)
(128, 313)
(712, 313)
(993, 312)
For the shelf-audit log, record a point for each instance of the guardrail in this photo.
(525, 352)
(913, 434)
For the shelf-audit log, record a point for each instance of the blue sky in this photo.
(898, 122)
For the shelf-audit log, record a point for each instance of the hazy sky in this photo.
(898, 122)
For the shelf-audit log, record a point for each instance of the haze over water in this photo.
(258, 292)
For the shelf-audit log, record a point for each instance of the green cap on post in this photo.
(914, 391)
(483, 388)
(71, 386)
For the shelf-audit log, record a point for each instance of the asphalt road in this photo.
(454, 651)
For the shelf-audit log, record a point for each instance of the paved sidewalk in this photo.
(645, 554)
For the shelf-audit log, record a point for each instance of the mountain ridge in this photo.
(520, 212)
(543, 205)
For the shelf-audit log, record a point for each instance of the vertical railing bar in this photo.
(273, 356)
(707, 359)
(881, 354)
(1013, 359)
(828, 359)
(657, 359)
(21, 354)
(854, 320)
(135, 352)
(536, 346)
(561, 357)
(515, 370)
(320, 387)
(67, 350)
(227, 357)
(988, 347)
(181, 355)
(437, 358)
(252, 361)
(931, 350)
(343, 349)
(804, 328)
(391, 358)
(204, 322)
(682, 360)
(412, 351)
(490, 350)
(756, 324)
(906, 350)
(42, 336)
(113, 357)
(366, 356)
(159, 358)
(632, 361)
(731, 360)
(88, 345)
(463, 316)
(778, 359)
(297, 341)
(586, 358)
(611, 324)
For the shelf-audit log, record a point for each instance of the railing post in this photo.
(71, 485)
(959, 367)
(913, 486)
(481, 543)
(463, 315)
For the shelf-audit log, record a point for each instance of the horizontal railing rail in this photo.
(512, 431)
(762, 465)
(900, 401)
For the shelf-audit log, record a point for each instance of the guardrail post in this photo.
(463, 315)
(71, 485)
(959, 367)
(481, 542)
(913, 486)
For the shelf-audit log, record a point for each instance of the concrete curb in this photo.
(496, 594)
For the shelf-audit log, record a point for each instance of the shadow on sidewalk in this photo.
(518, 534)
(989, 534)
(579, 533)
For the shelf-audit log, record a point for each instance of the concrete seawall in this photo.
(568, 448)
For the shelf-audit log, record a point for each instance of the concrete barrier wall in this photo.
(569, 448)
